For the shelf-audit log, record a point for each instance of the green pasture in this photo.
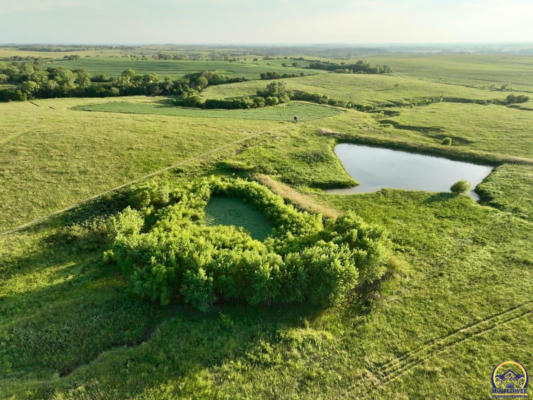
(113, 66)
(481, 71)
(361, 89)
(282, 112)
(491, 128)
(52, 156)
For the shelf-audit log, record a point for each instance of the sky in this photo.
(265, 21)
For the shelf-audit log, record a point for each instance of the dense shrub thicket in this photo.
(170, 255)
(360, 67)
(32, 81)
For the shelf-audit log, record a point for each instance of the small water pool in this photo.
(377, 168)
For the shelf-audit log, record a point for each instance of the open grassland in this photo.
(455, 303)
(490, 128)
(361, 89)
(467, 70)
(177, 68)
(510, 187)
(52, 156)
(282, 112)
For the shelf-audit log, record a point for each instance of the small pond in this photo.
(233, 211)
(377, 168)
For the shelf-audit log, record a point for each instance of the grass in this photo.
(482, 71)
(283, 112)
(176, 68)
(360, 89)
(495, 129)
(455, 303)
(510, 188)
(52, 157)
(233, 211)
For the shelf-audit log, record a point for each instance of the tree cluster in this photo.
(276, 75)
(360, 67)
(171, 255)
(32, 81)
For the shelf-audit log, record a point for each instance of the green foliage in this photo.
(360, 67)
(447, 141)
(181, 259)
(460, 187)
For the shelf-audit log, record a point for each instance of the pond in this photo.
(377, 168)
(233, 211)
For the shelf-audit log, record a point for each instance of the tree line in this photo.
(32, 81)
(360, 67)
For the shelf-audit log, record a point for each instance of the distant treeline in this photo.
(277, 75)
(360, 67)
(32, 81)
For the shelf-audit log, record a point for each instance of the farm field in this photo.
(177, 68)
(454, 302)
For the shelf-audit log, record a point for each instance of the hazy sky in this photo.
(265, 21)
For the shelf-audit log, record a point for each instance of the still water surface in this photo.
(377, 168)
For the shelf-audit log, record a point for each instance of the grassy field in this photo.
(233, 211)
(283, 112)
(466, 70)
(491, 128)
(456, 300)
(361, 89)
(52, 156)
(177, 68)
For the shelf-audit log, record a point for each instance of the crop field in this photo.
(361, 89)
(283, 112)
(113, 66)
(454, 299)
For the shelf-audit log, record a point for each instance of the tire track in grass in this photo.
(137, 180)
(382, 374)
(393, 369)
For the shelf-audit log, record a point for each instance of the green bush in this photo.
(447, 141)
(172, 255)
(460, 187)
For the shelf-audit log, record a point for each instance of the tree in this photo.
(83, 78)
(128, 73)
(460, 187)
(29, 87)
(201, 82)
